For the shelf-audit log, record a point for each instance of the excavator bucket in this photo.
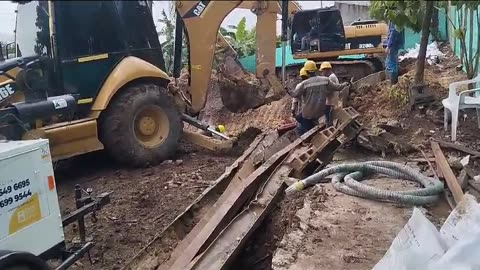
(239, 90)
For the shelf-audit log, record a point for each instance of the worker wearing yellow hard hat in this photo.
(303, 73)
(332, 98)
(296, 101)
(325, 65)
(312, 94)
(310, 66)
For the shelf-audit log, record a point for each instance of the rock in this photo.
(178, 162)
(393, 123)
(465, 161)
(419, 132)
(168, 161)
(372, 142)
(455, 163)
(463, 179)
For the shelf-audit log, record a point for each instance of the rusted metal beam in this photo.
(223, 213)
(228, 244)
(148, 257)
(221, 252)
(444, 167)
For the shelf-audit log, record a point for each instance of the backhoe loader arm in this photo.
(202, 20)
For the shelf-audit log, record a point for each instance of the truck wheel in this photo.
(141, 126)
(18, 260)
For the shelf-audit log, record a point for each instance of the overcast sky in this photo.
(7, 15)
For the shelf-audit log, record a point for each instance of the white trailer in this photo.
(31, 225)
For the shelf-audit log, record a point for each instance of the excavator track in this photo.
(216, 225)
(345, 69)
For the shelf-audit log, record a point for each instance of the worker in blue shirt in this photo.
(395, 42)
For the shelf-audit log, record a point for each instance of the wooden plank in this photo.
(444, 167)
(458, 147)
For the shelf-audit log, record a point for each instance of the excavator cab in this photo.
(317, 30)
(319, 35)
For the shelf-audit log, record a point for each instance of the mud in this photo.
(144, 201)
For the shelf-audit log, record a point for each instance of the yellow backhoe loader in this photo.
(89, 75)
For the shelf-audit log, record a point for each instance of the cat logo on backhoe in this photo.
(199, 9)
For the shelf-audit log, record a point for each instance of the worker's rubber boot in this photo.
(394, 77)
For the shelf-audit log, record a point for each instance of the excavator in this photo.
(319, 35)
(90, 75)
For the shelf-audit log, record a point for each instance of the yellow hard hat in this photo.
(325, 65)
(221, 128)
(310, 66)
(303, 72)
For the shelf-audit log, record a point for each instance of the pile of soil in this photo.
(264, 118)
(381, 102)
(385, 113)
(240, 93)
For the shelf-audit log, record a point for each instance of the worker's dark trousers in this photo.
(304, 124)
(391, 65)
(328, 115)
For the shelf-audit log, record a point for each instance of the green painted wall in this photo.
(412, 38)
(472, 32)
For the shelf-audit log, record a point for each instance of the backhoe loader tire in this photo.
(141, 126)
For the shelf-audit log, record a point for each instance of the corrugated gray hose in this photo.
(349, 175)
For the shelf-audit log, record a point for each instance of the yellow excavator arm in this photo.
(201, 17)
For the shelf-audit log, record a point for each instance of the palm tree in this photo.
(242, 39)
(168, 47)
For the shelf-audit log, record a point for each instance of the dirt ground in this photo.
(143, 202)
(308, 232)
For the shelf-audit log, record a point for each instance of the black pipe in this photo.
(284, 20)
(81, 221)
(177, 56)
(75, 256)
(284, 40)
(2, 58)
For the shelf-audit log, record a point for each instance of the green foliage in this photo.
(402, 13)
(168, 47)
(241, 39)
(398, 96)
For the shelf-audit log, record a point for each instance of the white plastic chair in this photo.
(455, 102)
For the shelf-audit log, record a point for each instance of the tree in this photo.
(242, 39)
(468, 58)
(408, 14)
(422, 53)
(168, 32)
